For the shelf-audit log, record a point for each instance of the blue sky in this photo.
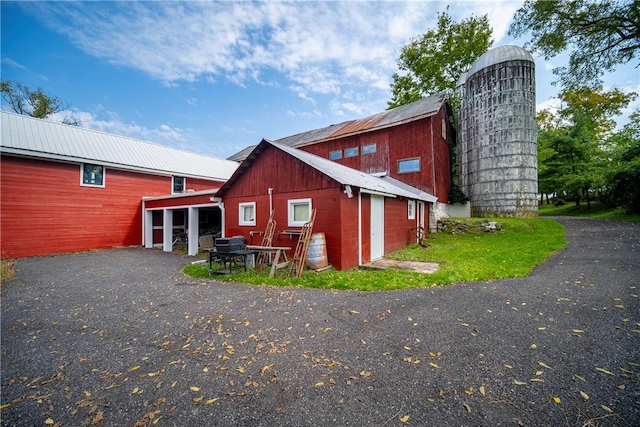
(215, 77)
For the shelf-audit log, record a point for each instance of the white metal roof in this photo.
(28, 136)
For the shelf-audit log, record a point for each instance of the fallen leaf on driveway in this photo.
(604, 371)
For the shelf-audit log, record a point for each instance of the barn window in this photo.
(411, 209)
(369, 149)
(335, 155)
(92, 175)
(247, 213)
(179, 184)
(299, 212)
(409, 165)
(351, 152)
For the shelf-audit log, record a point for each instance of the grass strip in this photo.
(470, 256)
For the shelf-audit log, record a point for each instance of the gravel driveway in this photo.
(122, 338)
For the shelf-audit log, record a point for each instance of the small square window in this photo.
(369, 149)
(351, 152)
(299, 212)
(247, 212)
(179, 184)
(92, 175)
(335, 155)
(411, 209)
(409, 165)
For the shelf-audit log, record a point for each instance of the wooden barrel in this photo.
(317, 252)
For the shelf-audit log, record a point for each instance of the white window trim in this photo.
(104, 176)
(410, 159)
(184, 186)
(411, 209)
(293, 202)
(241, 220)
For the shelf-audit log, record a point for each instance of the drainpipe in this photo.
(359, 228)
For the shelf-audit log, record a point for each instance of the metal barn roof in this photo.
(422, 108)
(28, 136)
(340, 173)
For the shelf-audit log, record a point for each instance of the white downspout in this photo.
(223, 227)
(359, 228)
(144, 226)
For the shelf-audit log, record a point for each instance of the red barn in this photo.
(362, 216)
(65, 189)
(409, 143)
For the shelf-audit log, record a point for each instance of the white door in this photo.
(377, 227)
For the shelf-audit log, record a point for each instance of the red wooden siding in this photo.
(199, 184)
(348, 255)
(46, 211)
(369, 163)
(336, 217)
(420, 138)
(397, 228)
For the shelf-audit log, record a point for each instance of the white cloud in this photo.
(551, 104)
(319, 47)
(11, 63)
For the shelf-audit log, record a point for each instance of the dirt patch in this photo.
(421, 267)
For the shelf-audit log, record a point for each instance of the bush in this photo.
(456, 195)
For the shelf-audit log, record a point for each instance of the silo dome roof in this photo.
(498, 55)
(461, 80)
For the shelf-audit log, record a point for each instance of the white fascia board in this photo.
(178, 195)
(78, 160)
(377, 193)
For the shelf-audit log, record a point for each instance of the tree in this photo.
(624, 174)
(433, 62)
(602, 34)
(36, 103)
(575, 145)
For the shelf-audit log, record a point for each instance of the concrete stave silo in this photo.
(497, 151)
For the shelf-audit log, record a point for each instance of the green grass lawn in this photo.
(597, 210)
(471, 256)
